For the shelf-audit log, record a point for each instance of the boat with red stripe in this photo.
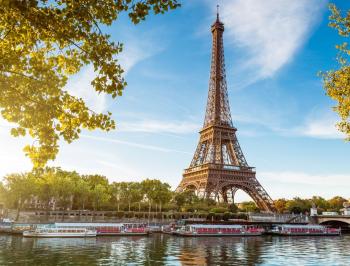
(305, 230)
(218, 230)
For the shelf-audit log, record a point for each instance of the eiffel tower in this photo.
(218, 168)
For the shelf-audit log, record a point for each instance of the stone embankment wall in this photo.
(100, 216)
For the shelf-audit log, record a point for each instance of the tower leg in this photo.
(224, 195)
(233, 193)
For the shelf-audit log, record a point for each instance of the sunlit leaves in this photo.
(337, 82)
(42, 43)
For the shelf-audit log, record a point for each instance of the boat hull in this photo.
(134, 234)
(57, 235)
(217, 235)
(306, 234)
(5, 229)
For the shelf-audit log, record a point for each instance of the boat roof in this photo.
(136, 223)
(215, 225)
(61, 228)
(88, 224)
(302, 226)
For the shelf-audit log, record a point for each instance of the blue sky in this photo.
(273, 49)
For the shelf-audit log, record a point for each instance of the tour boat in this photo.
(305, 230)
(103, 229)
(5, 227)
(59, 232)
(218, 230)
(169, 229)
(19, 228)
(135, 229)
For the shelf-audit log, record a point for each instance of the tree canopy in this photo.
(44, 42)
(57, 189)
(337, 82)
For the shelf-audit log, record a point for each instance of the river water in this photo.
(161, 249)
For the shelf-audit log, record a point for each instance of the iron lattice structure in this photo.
(218, 168)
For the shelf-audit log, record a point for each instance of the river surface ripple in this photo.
(170, 250)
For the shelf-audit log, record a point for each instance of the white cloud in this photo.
(271, 30)
(322, 129)
(301, 178)
(320, 125)
(133, 144)
(134, 52)
(289, 184)
(122, 168)
(80, 86)
(156, 126)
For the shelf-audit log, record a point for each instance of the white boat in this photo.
(59, 232)
(5, 227)
(218, 230)
(305, 230)
(100, 228)
(103, 229)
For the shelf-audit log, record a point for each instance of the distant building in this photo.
(313, 210)
(37, 204)
(346, 210)
(330, 213)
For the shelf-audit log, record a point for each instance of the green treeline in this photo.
(56, 189)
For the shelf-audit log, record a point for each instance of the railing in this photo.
(277, 218)
(219, 166)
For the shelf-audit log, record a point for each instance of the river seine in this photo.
(170, 250)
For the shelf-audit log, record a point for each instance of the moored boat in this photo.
(19, 228)
(218, 230)
(59, 232)
(135, 229)
(5, 227)
(304, 230)
(104, 229)
(169, 229)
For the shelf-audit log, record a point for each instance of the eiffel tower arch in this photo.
(218, 168)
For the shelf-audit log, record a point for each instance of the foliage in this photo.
(280, 205)
(298, 205)
(42, 43)
(233, 208)
(57, 189)
(227, 215)
(3, 194)
(186, 197)
(116, 194)
(20, 189)
(336, 203)
(218, 210)
(248, 206)
(319, 202)
(99, 196)
(81, 193)
(337, 82)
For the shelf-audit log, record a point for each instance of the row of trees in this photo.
(298, 205)
(56, 189)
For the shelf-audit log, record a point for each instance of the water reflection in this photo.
(168, 250)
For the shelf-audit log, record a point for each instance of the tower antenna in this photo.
(217, 12)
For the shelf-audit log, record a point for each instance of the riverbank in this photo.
(116, 216)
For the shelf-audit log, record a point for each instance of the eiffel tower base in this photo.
(221, 185)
